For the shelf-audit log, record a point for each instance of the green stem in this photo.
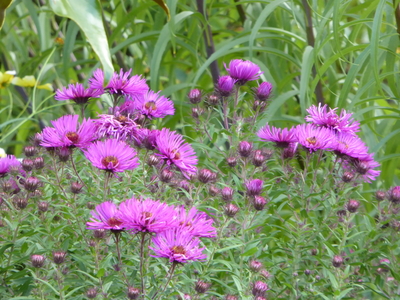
(170, 272)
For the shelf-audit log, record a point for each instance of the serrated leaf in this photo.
(87, 14)
(3, 6)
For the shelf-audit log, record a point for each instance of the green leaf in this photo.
(3, 6)
(164, 7)
(87, 14)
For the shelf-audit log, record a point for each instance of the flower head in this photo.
(77, 93)
(7, 163)
(243, 70)
(364, 166)
(106, 216)
(225, 85)
(67, 132)
(118, 126)
(349, 145)
(281, 137)
(314, 138)
(147, 215)
(197, 223)
(153, 105)
(112, 155)
(327, 117)
(263, 92)
(254, 187)
(120, 84)
(176, 152)
(178, 245)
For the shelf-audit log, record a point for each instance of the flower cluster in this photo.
(176, 230)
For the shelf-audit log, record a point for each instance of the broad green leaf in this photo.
(3, 6)
(87, 14)
(164, 7)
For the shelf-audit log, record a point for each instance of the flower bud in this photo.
(213, 100)
(133, 293)
(202, 287)
(258, 158)
(314, 251)
(259, 105)
(337, 261)
(263, 92)
(153, 160)
(227, 193)
(37, 260)
(37, 139)
(43, 206)
(30, 151)
(380, 195)
(38, 162)
(317, 277)
(76, 187)
(394, 194)
(245, 148)
(307, 272)
(265, 274)
(27, 164)
(352, 206)
(64, 154)
(255, 265)
(20, 203)
(206, 176)
(184, 185)
(99, 233)
(196, 112)
(259, 203)
(225, 85)
(232, 161)
(31, 184)
(231, 297)
(166, 175)
(59, 257)
(231, 210)
(91, 293)
(195, 96)
(347, 176)
(259, 288)
(213, 190)
(254, 187)
(90, 205)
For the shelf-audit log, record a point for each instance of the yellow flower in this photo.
(5, 78)
(30, 81)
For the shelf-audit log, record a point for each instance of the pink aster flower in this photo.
(120, 84)
(349, 145)
(225, 85)
(77, 93)
(67, 132)
(254, 187)
(198, 223)
(327, 117)
(147, 215)
(314, 138)
(176, 152)
(178, 245)
(153, 105)
(118, 126)
(112, 155)
(105, 216)
(281, 137)
(243, 70)
(7, 163)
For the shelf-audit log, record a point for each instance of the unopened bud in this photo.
(27, 164)
(153, 160)
(99, 233)
(227, 193)
(90, 205)
(347, 176)
(213, 100)
(195, 96)
(133, 293)
(231, 297)
(263, 92)
(37, 260)
(231, 210)
(31, 184)
(380, 195)
(30, 151)
(259, 288)
(91, 293)
(258, 158)
(38, 162)
(202, 287)
(394, 194)
(20, 203)
(232, 161)
(166, 175)
(337, 261)
(259, 203)
(64, 154)
(184, 185)
(314, 251)
(307, 272)
(205, 176)
(255, 265)
(245, 148)
(352, 205)
(43, 206)
(76, 187)
(213, 190)
(59, 257)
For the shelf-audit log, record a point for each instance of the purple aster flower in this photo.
(153, 105)
(281, 137)
(254, 187)
(178, 245)
(112, 155)
(243, 70)
(67, 132)
(148, 138)
(147, 215)
(7, 163)
(118, 126)
(106, 216)
(198, 223)
(120, 84)
(225, 85)
(175, 151)
(314, 138)
(349, 145)
(321, 116)
(77, 93)
(263, 92)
